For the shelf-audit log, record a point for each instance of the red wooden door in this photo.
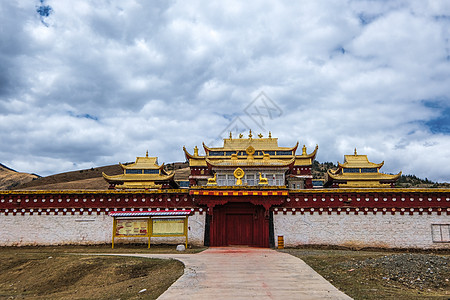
(239, 229)
(239, 224)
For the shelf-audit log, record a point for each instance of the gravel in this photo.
(420, 271)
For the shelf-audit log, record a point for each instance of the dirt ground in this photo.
(55, 273)
(382, 274)
(58, 272)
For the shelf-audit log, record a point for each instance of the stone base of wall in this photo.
(24, 230)
(360, 231)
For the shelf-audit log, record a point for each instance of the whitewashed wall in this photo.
(390, 231)
(21, 230)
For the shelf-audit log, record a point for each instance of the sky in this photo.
(91, 83)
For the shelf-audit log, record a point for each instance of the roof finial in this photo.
(146, 154)
(304, 150)
(240, 135)
(355, 152)
(270, 135)
(196, 151)
(250, 134)
(260, 135)
(231, 136)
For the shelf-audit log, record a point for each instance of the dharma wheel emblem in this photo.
(250, 150)
(238, 173)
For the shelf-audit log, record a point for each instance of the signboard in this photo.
(150, 224)
(132, 227)
(168, 227)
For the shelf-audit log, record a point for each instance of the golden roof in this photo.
(144, 163)
(358, 161)
(364, 176)
(142, 179)
(249, 162)
(240, 144)
(257, 152)
(361, 178)
(138, 177)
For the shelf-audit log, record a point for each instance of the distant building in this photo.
(145, 173)
(358, 172)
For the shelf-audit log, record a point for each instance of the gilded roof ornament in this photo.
(304, 150)
(146, 154)
(356, 152)
(241, 135)
(250, 134)
(231, 136)
(260, 135)
(196, 151)
(270, 135)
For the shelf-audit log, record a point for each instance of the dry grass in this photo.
(362, 281)
(55, 273)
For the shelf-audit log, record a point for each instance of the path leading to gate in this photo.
(246, 273)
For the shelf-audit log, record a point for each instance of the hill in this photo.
(10, 178)
(91, 179)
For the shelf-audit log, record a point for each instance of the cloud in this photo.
(104, 82)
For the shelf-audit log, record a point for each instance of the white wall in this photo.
(21, 230)
(391, 231)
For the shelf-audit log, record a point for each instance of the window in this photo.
(284, 152)
(440, 233)
(250, 179)
(215, 153)
(133, 171)
(151, 171)
(222, 179)
(369, 170)
(350, 170)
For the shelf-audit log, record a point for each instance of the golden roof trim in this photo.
(138, 177)
(249, 162)
(311, 155)
(260, 144)
(363, 176)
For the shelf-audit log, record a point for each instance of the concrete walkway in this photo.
(246, 273)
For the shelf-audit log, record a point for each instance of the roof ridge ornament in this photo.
(250, 134)
(355, 152)
(196, 151)
(270, 135)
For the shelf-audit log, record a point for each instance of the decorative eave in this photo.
(363, 176)
(369, 165)
(249, 162)
(195, 160)
(311, 155)
(137, 177)
(257, 147)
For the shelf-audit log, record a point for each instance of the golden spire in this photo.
(240, 135)
(146, 154)
(355, 152)
(250, 134)
(270, 135)
(196, 151)
(231, 136)
(304, 150)
(260, 135)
